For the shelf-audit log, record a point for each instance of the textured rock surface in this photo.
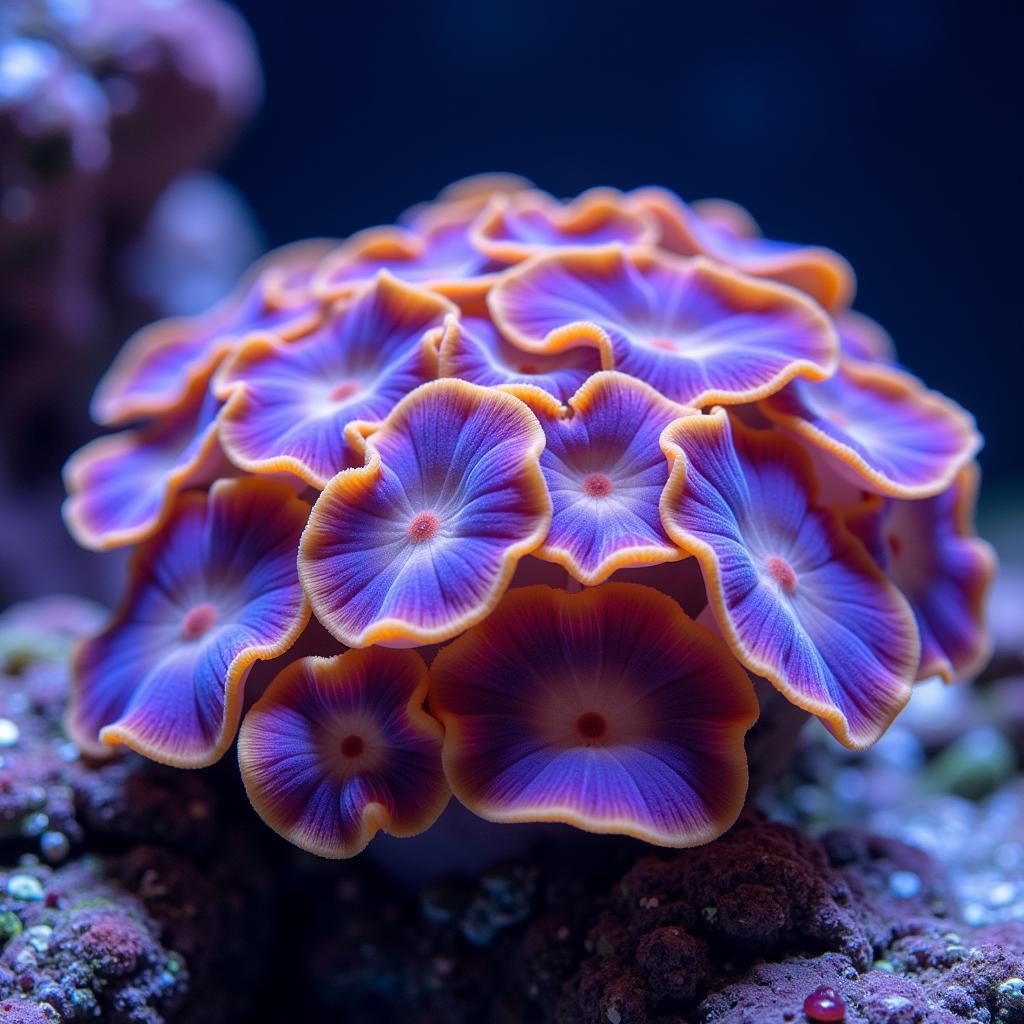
(135, 894)
(127, 892)
(740, 932)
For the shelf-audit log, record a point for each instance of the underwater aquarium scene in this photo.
(511, 513)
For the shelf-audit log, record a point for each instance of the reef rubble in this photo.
(136, 894)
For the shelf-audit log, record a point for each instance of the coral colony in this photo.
(562, 479)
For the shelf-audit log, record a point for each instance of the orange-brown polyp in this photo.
(608, 709)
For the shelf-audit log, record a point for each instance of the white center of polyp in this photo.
(597, 485)
(782, 572)
(423, 527)
(198, 621)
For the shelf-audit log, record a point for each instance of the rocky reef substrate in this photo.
(135, 894)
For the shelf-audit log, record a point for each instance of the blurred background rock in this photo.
(111, 114)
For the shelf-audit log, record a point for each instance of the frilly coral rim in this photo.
(484, 185)
(590, 209)
(734, 747)
(375, 817)
(968, 484)
(716, 209)
(907, 386)
(543, 405)
(394, 242)
(112, 737)
(400, 632)
(236, 392)
(710, 569)
(586, 332)
(110, 408)
(832, 283)
(111, 445)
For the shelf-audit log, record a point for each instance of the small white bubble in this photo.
(25, 887)
(55, 846)
(39, 937)
(904, 884)
(1002, 894)
(9, 733)
(975, 915)
(34, 824)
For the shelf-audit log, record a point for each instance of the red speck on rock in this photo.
(825, 1005)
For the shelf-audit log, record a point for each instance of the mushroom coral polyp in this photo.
(403, 433)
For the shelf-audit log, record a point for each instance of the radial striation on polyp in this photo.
(697, 332)
(796, 595)
(928, 548)
(726, 233)
(605, 472)
(290, 405)
(419, 544)
(608, 709)
(215, 591)
(880, 427)
(121, 487)
(513, 228)
(340, 748)
(159, 364)
(474, 350)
